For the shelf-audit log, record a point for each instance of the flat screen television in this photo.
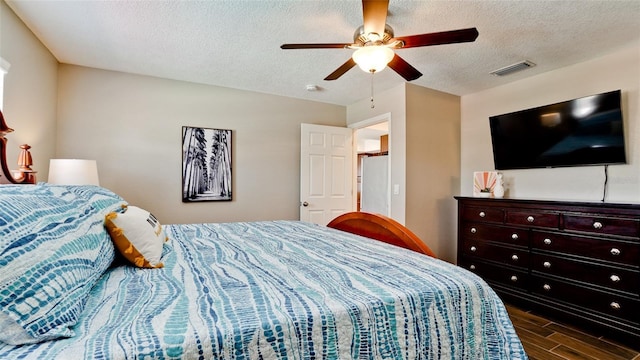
(579, 132)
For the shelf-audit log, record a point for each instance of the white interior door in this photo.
(375, 185)
(326, 172)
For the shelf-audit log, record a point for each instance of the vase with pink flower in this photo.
(498, 189)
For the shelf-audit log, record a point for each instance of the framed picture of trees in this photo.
(206, 164)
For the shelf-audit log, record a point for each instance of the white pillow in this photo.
(137, 235)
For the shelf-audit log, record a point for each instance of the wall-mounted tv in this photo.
(579, 132)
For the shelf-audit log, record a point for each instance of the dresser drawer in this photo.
(501, 254)
(619, 306)
(479, 231)
(602, 225)
(607, 276)
(621, 252)
(509, 276)
(488, 214)
(533, 218)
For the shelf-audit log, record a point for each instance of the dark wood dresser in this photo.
(574, 261)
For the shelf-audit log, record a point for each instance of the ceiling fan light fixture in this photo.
(375, 43)
(373, 58)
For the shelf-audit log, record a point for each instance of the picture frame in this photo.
(206, 164)
(484, 182)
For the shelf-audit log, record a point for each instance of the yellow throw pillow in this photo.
(137, 235)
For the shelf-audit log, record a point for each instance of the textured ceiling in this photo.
(236, 44)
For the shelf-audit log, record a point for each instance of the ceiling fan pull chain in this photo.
(372, 104)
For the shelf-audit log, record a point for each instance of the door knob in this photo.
(305, 204)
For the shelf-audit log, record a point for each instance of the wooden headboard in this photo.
(382, 228)
(24, 175)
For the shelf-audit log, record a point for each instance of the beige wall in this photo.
(433, 167)
(425, 159)
(393, 103)
(132, 126)
(620, 70)
(29, 91)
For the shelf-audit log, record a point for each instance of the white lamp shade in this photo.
(373, 58)
(73, 172)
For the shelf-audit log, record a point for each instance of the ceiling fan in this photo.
(374, 43)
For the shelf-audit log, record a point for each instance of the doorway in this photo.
(373, 165)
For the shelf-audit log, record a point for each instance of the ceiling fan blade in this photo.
(341, 70)
(439, 38)
(403, 68)
(313, 46)
(374, 15)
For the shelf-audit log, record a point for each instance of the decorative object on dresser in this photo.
(576, 261)
(24, 175)
(498, 189)
(484, 183)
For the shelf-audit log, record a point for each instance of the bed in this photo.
(245, 290)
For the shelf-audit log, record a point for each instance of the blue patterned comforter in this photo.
(285, 290)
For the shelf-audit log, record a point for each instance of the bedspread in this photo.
(285, 290)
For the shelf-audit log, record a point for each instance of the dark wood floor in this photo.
(547, 340)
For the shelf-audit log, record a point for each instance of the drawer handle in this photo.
(482, 214)
(472, 267)
(597, 225)
(615, 306)
(514, 278)
(473, 248)
(615, 278)
(474, 230)
(546, 287)
(547, 241)
(514, 257)
(546, 264)
(530, 219)
(615, 251)
(514, 236)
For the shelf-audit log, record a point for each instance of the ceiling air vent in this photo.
(522, 65)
